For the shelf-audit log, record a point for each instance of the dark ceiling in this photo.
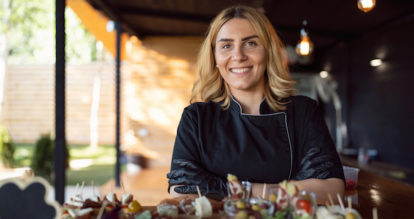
(329, 21)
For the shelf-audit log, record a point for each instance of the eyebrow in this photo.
(243, 39)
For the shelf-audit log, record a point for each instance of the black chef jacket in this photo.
(265, 148)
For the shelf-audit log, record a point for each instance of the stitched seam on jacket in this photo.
(290, 145)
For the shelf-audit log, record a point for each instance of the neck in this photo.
(250, 103)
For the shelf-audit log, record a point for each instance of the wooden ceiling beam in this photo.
(166, 14)
(112, 13)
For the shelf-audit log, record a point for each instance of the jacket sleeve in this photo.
(318, 156)
(186, 140)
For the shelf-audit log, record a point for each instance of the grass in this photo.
(86, 164)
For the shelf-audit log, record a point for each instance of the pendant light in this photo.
(305, 45)
(366, 5)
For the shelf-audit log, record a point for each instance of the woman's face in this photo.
(240, 56)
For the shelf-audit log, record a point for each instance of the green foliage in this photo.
(29, 26)
(42, 159)
(30, 29)
(6, 147)
(42, 162)
(100, 169)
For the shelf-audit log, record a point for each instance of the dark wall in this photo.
(378, 101)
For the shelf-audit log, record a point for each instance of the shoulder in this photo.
(202, 108)
(301, 102)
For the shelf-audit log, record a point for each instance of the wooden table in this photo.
(392, 199)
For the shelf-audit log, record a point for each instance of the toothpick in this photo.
(81, 194)
(198, 190)
(101, 210)
(374, 213)
(340, 201)
(264, 191)
(330, 199)
(349, 203)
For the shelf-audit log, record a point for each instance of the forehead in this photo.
(236, 28)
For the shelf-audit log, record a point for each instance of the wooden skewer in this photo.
(340, 201)
(264, 191)
(330, 199)
(374, 213)
(81, 194)
(198, 191)
(102, 209)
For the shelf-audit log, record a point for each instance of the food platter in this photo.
(284, 201)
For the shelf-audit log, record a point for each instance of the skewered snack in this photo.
(203, 207)
(184, 202)
(167, 210)
(240, 205)
(235, 186)
(336, 212)
(95, 207)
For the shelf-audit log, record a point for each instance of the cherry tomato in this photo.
(350, 184)
(305, 205)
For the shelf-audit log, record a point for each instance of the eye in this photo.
(225, 46)
(251, 43)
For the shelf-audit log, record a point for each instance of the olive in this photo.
(241, 205)
(134, 206)
(350, 215)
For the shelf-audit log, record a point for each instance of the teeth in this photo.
(239, 70)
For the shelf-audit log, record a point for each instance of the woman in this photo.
(248, 123)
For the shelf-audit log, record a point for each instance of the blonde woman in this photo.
(245, 120)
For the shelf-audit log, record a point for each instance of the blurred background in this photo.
(355, 61)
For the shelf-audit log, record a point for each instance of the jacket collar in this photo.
(264, 107)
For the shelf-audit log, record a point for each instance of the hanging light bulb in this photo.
(305, 45)
(366, 5)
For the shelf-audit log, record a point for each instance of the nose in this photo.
(238, 55)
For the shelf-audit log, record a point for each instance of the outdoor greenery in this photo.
(98, 166)
(42, 159)
(30, 29)
(27, 29)
(6, 147)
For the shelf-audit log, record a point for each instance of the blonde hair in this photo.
(210, 86)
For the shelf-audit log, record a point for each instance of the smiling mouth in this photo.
(240, 70)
